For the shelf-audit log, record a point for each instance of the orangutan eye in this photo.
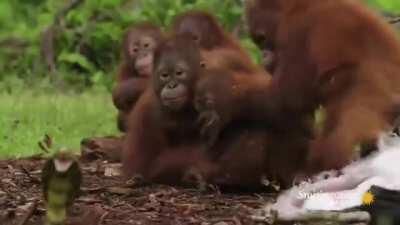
(164, 75)
(259, 38)
(179, 73)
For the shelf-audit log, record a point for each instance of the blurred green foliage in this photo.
(392, 6)
(87, 40)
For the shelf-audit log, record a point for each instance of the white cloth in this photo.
(346, 191)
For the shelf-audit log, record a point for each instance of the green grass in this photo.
(387, 5)
(67, 118)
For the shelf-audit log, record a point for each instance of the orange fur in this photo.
(334, 53)
(129, 83)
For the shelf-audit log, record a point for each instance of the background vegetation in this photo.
(58, 59)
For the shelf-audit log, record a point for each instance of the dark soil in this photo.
(106, 199)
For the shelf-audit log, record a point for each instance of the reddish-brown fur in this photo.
(334, 53)
(205, 30)
(265, 20)
(152, 133)
(157, 134)
(134, 32)
(250, 151)
(280, 151)
(125, 94)
(241, 156)
(210, 36)
(130, 84)
(164, 146)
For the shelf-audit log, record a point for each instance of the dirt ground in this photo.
(108, 200)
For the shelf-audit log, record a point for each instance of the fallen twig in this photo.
(394, 20)
(102, 218)
(29, 213)
(28, 174)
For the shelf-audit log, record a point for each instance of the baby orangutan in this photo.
(139, 44)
